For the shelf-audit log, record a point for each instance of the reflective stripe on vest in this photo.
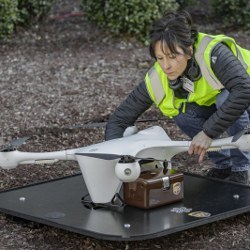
(206, 72)
(155, 80)
(199, 56)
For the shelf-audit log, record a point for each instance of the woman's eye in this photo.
(172, 56)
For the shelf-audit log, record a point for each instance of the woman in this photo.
(199, 80)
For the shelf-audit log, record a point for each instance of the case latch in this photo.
(165, 182)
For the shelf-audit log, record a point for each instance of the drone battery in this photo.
(154, 188)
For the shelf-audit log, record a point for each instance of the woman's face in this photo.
(173, 65)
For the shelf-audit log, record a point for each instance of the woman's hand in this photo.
(199, 145)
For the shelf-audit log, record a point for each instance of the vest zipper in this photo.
(183, 104)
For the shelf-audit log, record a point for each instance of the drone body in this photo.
(106, 165)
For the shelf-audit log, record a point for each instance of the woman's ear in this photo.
(191, 50)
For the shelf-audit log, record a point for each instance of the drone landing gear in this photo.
(116, 202)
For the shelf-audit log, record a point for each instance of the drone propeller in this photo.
(102, 156)
(13, 145)
(236, 137)
(125, 158)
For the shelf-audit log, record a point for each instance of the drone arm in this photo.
(167, 149)
(12, 159)
(243, 143)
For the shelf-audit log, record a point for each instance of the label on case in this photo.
(176, 188)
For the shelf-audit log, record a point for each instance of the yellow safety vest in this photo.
(205, 89)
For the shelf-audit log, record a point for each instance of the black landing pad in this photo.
(58, 203)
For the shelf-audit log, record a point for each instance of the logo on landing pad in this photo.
(200, 214)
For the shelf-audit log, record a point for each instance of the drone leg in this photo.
(165, 167)
(117, 201)
(87, 202)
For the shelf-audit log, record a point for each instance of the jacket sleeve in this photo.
(136, 103)
(231, 73)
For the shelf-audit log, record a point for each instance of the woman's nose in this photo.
(167, 64)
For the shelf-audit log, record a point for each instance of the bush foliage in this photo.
(8, 16)
(21, 12)
(233, 12)
(131, 17)
(32, 10)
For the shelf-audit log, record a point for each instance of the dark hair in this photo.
(173, 28)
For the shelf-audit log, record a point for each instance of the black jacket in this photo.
(228, 70)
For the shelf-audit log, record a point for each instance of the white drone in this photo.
(105, 166)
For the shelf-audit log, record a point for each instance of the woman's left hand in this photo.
(199, 145)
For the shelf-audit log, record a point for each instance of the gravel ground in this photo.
(66, 72)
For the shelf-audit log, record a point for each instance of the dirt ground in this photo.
(66, 72)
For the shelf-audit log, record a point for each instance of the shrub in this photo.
(32, 10)
(8, 17)
(233, 12)
(131, 17)
(21, 12)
